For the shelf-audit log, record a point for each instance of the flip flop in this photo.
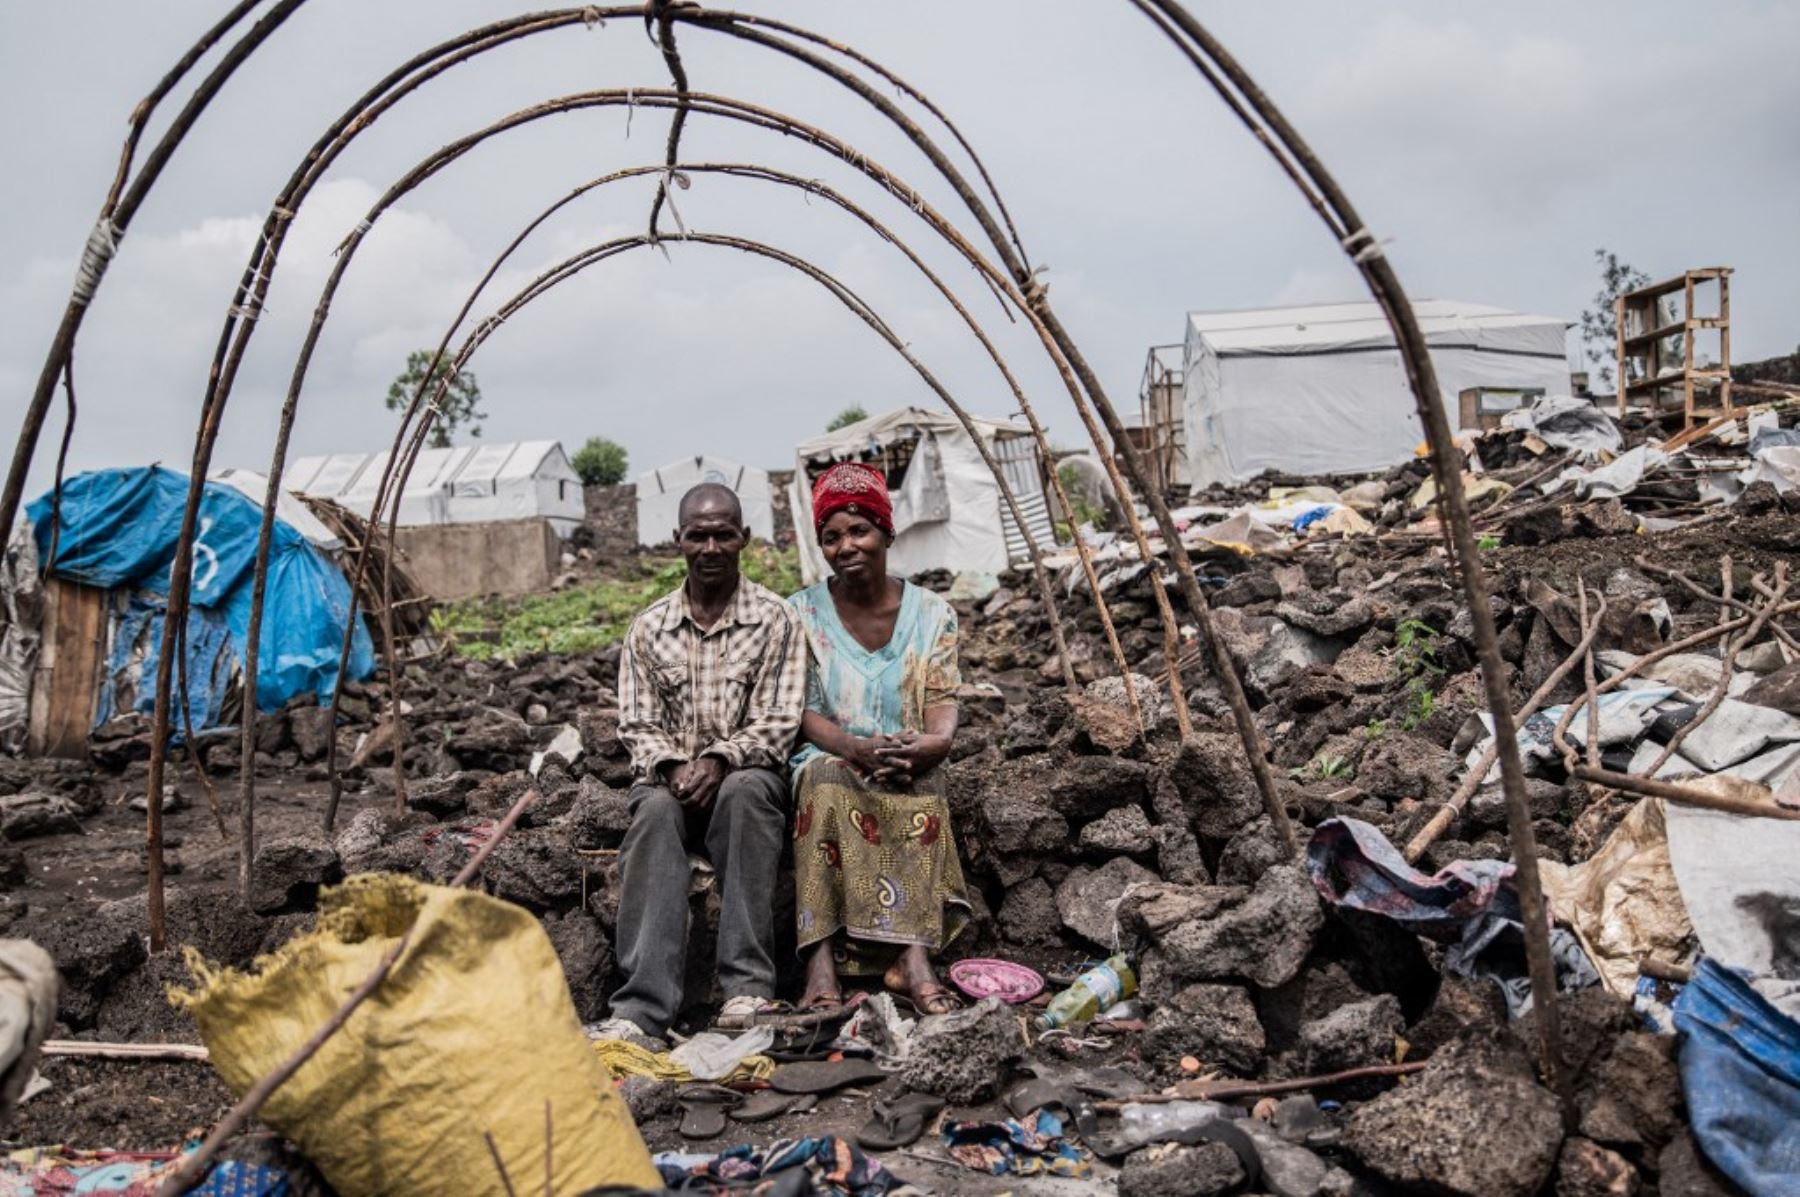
(825, 1076)
(703, 1110)
(825, 1003)
(898, 1122)
(766, 1105)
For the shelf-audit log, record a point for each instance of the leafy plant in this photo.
(1324, 767)
(458, 407)
(1421, 701)
(1376, 729)
(854, 414)
(590, 616)
(600, 462)
(1084, 512)
(1488, 543)
(1414, 661)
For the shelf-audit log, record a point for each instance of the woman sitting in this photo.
(879, 886)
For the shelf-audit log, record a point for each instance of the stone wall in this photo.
(612, 519)
(779, 481)
(505, 557)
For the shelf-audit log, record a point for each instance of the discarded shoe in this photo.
(704, 1108)
(741, 1012)
(899, 1121)
(826, 1076)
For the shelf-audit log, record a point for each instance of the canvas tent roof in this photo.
(255, 487)
(118, 533)
(659, 493)
(1337, 327)
(845, 442)
(1322, 389)
(459, 484)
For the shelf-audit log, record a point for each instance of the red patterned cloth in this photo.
(852, 486)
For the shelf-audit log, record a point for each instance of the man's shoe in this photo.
(627, 1031)
(741, 1012)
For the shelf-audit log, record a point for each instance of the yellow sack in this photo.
(473, 1031)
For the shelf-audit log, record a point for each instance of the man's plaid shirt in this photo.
(734, 691)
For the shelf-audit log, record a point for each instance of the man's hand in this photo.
(911, 756)
(697, 783)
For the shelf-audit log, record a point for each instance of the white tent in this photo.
(465, 484)
(292, 511)
(659, 494)
(1322, 390)
(948, 511)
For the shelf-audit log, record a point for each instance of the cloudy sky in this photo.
(1497, 145)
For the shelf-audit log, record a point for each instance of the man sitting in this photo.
(711, 685)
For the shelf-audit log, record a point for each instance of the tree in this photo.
(1599, 324)
(854, 414)
(459, 407)
(600, 462)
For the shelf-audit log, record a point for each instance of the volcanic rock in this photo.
(1088, 899)
(1122, 832)
(1092, 785)
(963, 1057)
(1215, 1024)
(1177, 1170)
(1475, 1123)
(287, 873)
(1214, 781)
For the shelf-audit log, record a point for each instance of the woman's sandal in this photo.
(899, 1121)
(704, 1108)
(934, 999)
(824, 1003)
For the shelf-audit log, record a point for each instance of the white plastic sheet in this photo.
(1565, 422)
(1742, 890)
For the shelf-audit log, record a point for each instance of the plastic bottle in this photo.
(1100, 987)
(1159, 1123)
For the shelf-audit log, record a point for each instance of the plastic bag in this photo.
(473, 1031)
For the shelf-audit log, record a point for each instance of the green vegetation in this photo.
(591, 615)
(1488, 543)
(1085, 513)
(459, 406)
(600, 462)
(1599, 323)
(1324, 767)
(854, 414)
(1414, 661)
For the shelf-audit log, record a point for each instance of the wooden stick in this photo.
(499, 1164)
(81, 1048)
(1729, 662)
(1232, 1090)
(1441, 821)
(1658, 970)
(1685, 795)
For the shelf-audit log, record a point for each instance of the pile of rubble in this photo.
(1086, 836)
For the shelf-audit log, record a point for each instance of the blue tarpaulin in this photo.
(1740, 1072)
(119, 529)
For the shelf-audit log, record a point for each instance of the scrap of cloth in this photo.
(1011, 1146)
(1740, 1072)
(1469, 905)
(827, 1166)
(42, 1171)
(852, 486)
(624, 1059)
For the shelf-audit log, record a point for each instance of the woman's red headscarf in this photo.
(852, 486)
